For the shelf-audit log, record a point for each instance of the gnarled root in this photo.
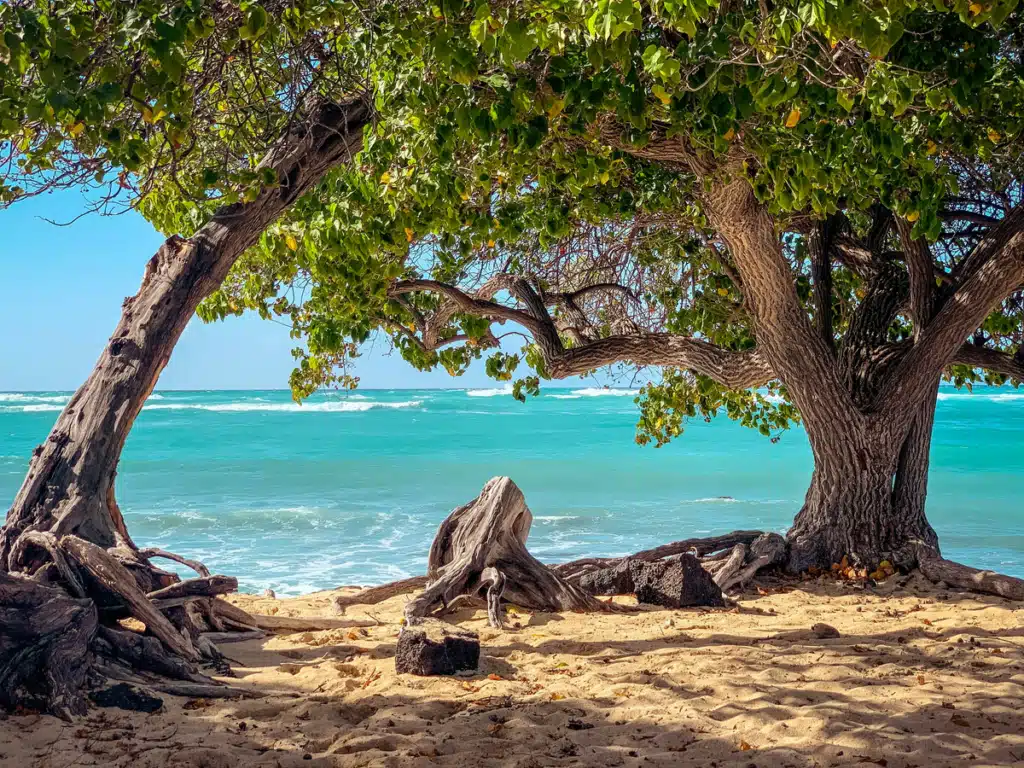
(482, 546)
(743, 562)
(59, 608)
(703, 547)
(936, 568)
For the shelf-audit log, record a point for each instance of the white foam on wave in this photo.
(21, 397)
(567, 397)
(155, 396)
(1002, 397)
(489, 392)
(330, 407)
(605, 392)
(712, 500)
(34, 408)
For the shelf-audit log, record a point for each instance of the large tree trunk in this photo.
(64, 527)
(864, 501)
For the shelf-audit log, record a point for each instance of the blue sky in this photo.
(65, 286)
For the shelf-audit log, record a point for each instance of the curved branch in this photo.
(991, 360)
(735, 370)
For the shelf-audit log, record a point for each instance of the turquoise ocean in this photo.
(350, 488)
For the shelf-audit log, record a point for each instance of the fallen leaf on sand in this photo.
(744, 747)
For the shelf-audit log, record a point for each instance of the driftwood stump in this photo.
(481, 547)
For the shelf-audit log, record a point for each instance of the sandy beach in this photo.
(917, 676)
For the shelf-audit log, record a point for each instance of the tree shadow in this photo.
(909, 696)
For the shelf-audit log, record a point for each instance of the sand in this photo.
(918, 676)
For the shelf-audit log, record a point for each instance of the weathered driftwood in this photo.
(44, 647)
(938, 569)
(743, 561)
(374, 595)
(482, 546)
(115, 578)
(574, 569)
(218, 638)
(204, 586)
(150, 552)
(313, 624)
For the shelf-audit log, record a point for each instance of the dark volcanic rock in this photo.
(124, 696)
(676, 582)
(431, 647)
(617, 580)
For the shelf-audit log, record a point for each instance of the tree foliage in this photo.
(571, 144)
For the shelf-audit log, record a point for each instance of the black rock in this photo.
(431, 647)
(124, 696)
(617, 580)
(676, 582)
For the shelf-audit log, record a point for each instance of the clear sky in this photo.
(64, 291)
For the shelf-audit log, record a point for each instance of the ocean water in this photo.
(350, 488)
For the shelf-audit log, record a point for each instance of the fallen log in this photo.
(699, 547)
(204, 586)
(937, 569)
(374, 595)
(312, 624)
(482, 546)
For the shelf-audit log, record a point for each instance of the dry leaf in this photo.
(557, 696)
(793, 118)
(744, 747)
(493, 676)
(371, 678)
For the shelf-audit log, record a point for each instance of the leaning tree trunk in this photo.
(65, 529)
(481, 547)
(69, 488)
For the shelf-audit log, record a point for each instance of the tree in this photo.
(819, 196)
(240, 110)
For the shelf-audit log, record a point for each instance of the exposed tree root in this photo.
(937, 568)
(482, 546)
(701, 547)
(59, 631)
(743, 562)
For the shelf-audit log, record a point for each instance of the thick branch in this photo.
(991, 360)
(993, 271)
(735, 370)
(821, 276)
(921, 271)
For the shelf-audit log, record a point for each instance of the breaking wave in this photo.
(332, 407)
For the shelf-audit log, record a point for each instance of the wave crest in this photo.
(331, 407)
